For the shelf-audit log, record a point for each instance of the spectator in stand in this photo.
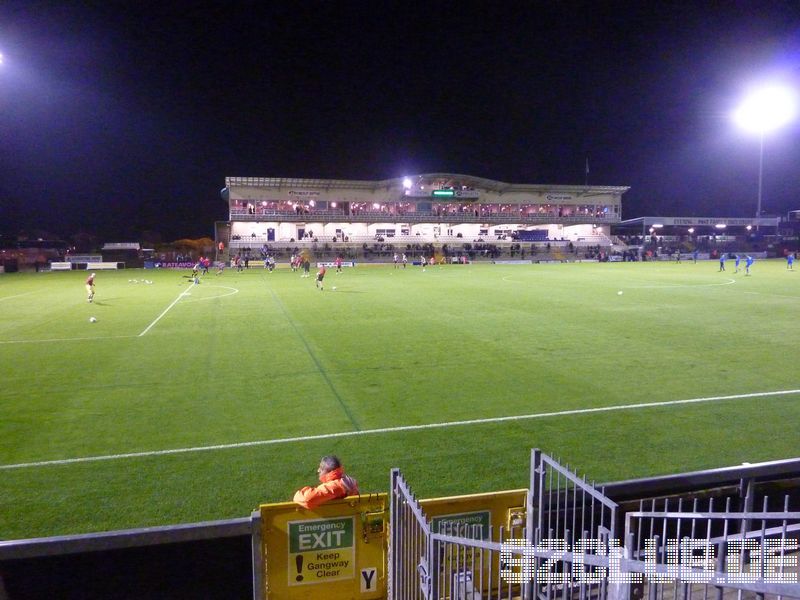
(334, 484)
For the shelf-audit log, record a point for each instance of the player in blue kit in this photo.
(748, 262)
(790, 261)
(736, 264)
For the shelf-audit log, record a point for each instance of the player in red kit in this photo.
(90, 287)
(320, 277)
(338, 264)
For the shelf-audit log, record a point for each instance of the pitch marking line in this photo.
(78, 339)
(344, 434)
(17, 296)
(680, 285)
(166, 310)
(774, 295)
(224, 287)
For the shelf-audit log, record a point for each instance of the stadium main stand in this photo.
(435, 208)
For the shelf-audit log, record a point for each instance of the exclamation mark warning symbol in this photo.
(299, 562)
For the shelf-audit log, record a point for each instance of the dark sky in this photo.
(120, 117)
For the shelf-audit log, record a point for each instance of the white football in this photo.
(619, 293)
(334, 287)
(92, 319)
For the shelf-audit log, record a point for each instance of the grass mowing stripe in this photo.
(166, 310)
(313, 356)
(343, 434)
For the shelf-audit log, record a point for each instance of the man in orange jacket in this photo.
(334, 484)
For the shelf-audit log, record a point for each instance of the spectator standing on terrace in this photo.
(90, 288)
(334, 484)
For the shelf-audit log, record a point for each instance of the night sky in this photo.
(123, 117)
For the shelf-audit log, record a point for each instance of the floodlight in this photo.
(720, 225)
(691, 229)
(763, 111)
(407, 183)
(766, 109)
(658, 225)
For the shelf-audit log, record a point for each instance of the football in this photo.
(333, 288)
(92, 319)
(619, 293)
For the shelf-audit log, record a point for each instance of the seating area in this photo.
(368, 249)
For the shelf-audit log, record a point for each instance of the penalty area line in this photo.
(402, 428)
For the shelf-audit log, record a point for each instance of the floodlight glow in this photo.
(407, 183)
(749, 227)
(766, 110)
(720, 225)
(691, 229)
(658, 225)
(1, 58)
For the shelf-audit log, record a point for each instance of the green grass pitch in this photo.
(265, 358)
